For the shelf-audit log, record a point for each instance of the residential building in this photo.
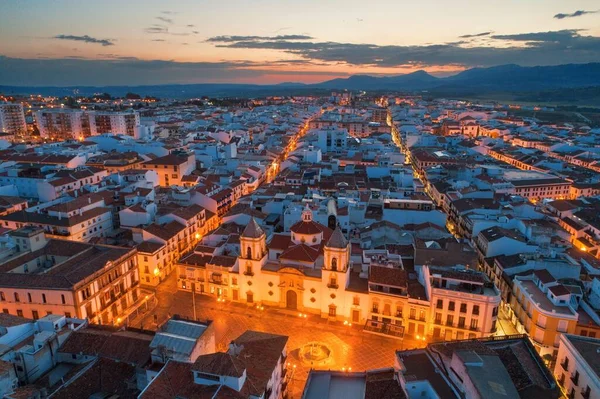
(49, 276)
(60, 124)
(544, 309)
(577, 370)
(254, 366)
(12, 119)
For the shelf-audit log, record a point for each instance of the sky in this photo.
(132, 42)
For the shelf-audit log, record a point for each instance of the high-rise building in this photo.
(12, 119)
(60, 124)
(113, 122)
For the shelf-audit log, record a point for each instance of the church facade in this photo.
(307, 270)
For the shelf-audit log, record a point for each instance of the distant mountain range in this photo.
(500, 79)
(503, 78)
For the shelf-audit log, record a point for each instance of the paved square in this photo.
(350, 346)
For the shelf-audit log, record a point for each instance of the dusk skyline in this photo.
(143, 43)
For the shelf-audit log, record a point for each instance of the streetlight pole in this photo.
(194, 299)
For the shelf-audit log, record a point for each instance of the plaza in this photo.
(351, 348)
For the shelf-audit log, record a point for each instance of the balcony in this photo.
(449, 324)
(375, 310)
(438, 322)
(474, 328)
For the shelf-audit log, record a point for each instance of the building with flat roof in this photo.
(12, 119)
(577, 368)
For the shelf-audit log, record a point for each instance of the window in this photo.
(451, 306)
(495, 311)
(413, 313)
(461, 322)
(440, 304)
(2, 297)
(68, 315)
(463, 308)
(35, 314)
(450, 320)
(5, 311)
(333, 280)
(332, 311)
(29, 297)
(473, 324)
(438, 318)
(356, 301)
(17, 299)
(44, 298)
(334, 264)
(249, 253)
(62, 299)
(476, 309)
(145, 259)
(19, 313)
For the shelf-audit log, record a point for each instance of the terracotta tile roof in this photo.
(559, 290)
(310, 227)
(220, 363)
(176, 380)
(104, 376)
(84, 260)
(165, 231)
(280, 241)
(8, 320)
(300, 252)
(388, 276)
(149, 247)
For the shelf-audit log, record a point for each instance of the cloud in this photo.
(169, 12)
(85, 39)
(165, 20)
(158, 40)
(190, 26)
(475, 35)
(552, 36)
(157, 29)
(233, 39)
(534, 48)
(127, 71)
(577, 13)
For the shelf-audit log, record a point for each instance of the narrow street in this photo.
(275, 167)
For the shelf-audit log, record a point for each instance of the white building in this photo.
(576, 368)
(332, 139)
(60, 124)
(12, 119)
(113, 122)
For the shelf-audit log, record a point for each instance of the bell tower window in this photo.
(334, 264)
(249, 253)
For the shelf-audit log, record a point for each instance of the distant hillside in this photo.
(503, 78)
(507, 79)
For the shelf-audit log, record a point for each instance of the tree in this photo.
(133, 96)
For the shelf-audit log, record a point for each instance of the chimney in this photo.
(89, 200)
